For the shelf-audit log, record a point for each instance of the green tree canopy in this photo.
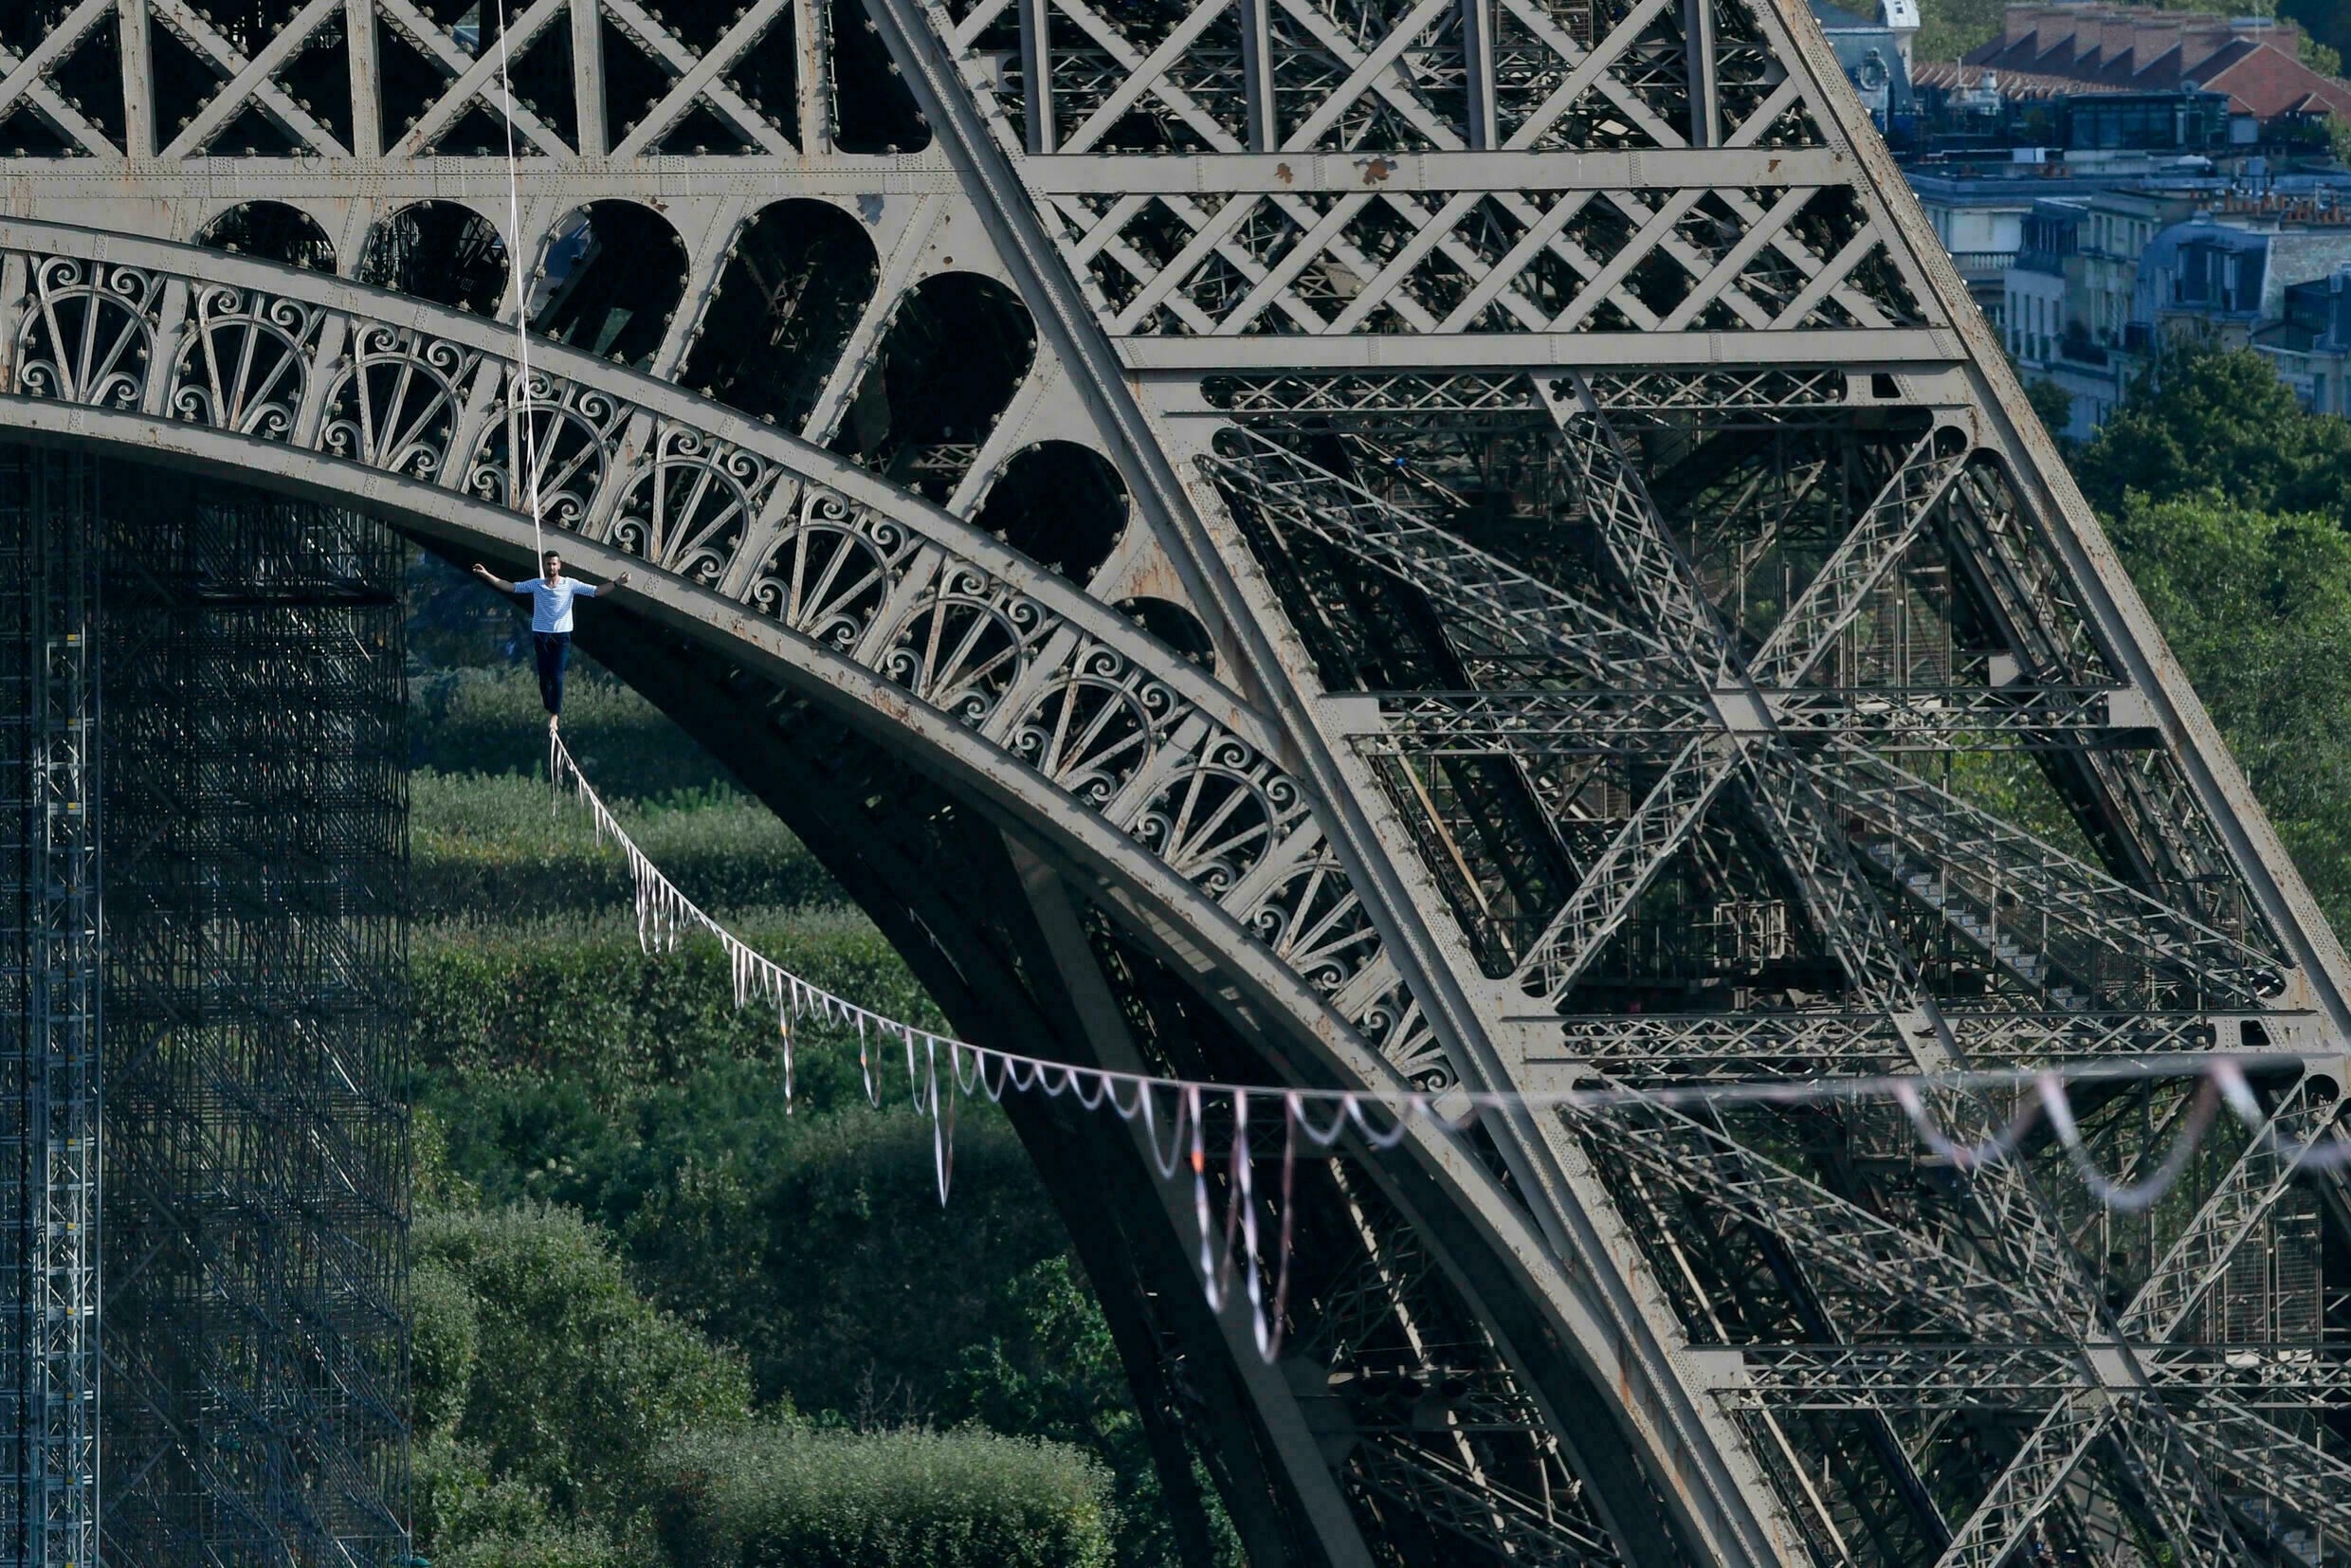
(574, 1380)
(2258, 608)
(2203, 419)
(792, 1497)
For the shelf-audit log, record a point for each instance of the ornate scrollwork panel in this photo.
(1095, 727)
(1313, 918)
(691, 504)
(1218, 821)
(396, 405)
(965, 642)
(88, 332)
(245, 361)
(1401, 1033)
(833, 570)
(566, 432)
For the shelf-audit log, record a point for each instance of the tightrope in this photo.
(1171, 1114)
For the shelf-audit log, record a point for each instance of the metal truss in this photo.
(51, 974)
(256, 920)
(1904, 718)
(1581, 600)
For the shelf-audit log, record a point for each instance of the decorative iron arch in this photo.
(1151, 780)
(323, 376)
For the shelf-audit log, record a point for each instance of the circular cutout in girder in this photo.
(273, 232)
(956, 353)
(608, 281)
(1178, 628)
(800, 275)
(1060, 504)
(441, 251)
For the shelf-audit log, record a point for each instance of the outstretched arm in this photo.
(492, 578)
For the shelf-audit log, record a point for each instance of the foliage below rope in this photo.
(661, 1320)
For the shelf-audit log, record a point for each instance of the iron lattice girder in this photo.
(2011, 1378)
(1962, 852)
(1953, 858)
(1423, 1455)
(1492, 603)
(1815, 395)
(1648, 567)
(1366, 78)
(1883, 1277)
(1819, 861)
(1565, 1050)
(1794, 816)
(2189, 1269)
(248, 82)
(1351, 174)
(2224, 1401)
(1704, 725)
(1649, 723)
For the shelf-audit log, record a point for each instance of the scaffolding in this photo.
(49, 993)
(257, 1171)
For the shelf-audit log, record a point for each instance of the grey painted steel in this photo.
(1483, 374)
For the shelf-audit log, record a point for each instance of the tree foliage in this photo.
(1949, 29)
(613, 1181)
(576, 1380)
(577, 1005)
(2257, 607)
(791, 1497)
(2326, 32)
(2212, 420)
(2228, 502)
(618, 1107)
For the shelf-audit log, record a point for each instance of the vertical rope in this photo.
(522, 339)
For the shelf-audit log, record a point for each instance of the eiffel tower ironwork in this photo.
(1480, 541)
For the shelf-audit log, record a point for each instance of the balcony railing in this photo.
(1976, 263)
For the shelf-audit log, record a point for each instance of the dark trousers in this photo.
(554, 650)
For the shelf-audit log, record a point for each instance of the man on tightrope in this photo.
(551, 594)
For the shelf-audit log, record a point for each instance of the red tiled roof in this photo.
(2137, 49)
(2266, 83)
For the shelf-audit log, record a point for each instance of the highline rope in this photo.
(1171, 1113)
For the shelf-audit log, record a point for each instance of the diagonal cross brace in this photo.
(23, 78)
(2181, 1279)
(1666, 817)
(248, 80)
(1520, 612)
(1821, 862)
